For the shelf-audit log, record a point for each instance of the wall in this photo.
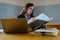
(11, 8)
(44, 2)
(14, 2)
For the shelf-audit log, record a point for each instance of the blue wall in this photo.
(53, 10)
(11, 11)
(50, 10)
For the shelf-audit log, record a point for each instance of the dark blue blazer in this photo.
(23, 16)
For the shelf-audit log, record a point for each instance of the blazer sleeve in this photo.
(20, 16)
(32, 16)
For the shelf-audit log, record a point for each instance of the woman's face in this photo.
(30, 10)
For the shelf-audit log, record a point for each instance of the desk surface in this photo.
(28, 36)
(53, 23)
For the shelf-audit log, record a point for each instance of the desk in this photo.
(53, 25)
(28, 36)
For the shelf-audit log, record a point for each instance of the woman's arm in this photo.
(31, 20)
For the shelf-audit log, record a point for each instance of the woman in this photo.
(28, 12)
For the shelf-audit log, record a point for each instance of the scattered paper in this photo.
(48, 31)
(1, 30)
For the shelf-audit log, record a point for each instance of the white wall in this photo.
(49, 2)
(15, 2)
(44, 2)
(36, 2)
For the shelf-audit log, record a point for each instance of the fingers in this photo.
(31, 20)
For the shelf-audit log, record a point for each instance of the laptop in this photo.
(14, 25)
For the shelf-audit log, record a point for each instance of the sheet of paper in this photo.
(47, 30)
(44, 17)
(1, 30)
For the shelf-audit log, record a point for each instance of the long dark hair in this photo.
(26, 8)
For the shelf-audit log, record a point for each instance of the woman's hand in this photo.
(31, 20)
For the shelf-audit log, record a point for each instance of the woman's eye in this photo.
(30, 8)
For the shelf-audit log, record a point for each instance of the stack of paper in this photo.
(47, 31)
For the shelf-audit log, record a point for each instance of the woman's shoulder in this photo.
(21, 16)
